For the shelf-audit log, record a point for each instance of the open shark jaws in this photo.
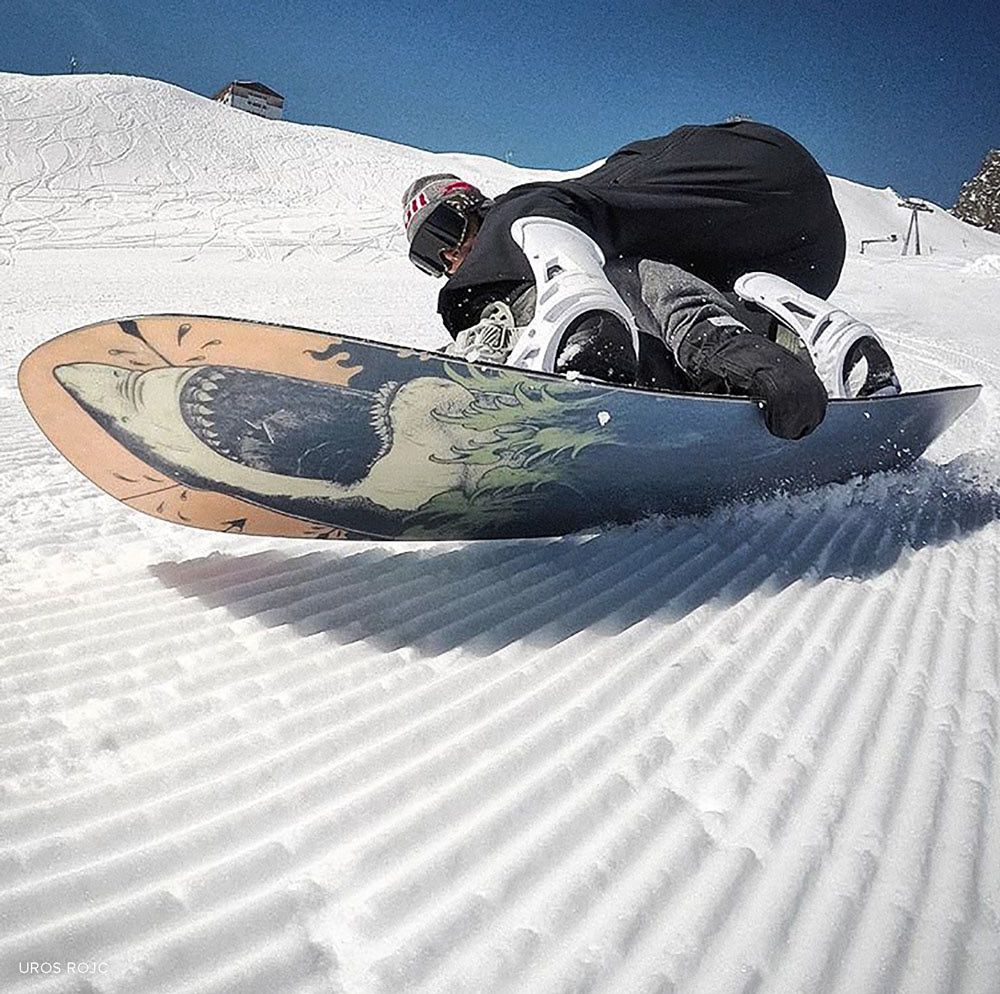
(323, 452)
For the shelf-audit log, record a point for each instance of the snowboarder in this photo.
(632, 273)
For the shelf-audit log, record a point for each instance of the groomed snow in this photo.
(749, 753)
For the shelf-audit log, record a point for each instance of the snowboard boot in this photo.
(571, 286)
(598, 344)
(837, 342)
(868, 370)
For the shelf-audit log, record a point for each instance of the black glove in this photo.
(727, 360)
(793, 395)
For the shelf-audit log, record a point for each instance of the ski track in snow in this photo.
(753, 752)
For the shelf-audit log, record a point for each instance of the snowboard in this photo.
(241, 426)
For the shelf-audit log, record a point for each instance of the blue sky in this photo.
(894, 94)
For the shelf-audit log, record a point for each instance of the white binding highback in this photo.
(827, 331)
(568, 267)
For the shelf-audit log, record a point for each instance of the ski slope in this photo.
(754, 752)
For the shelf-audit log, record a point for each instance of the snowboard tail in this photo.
(238, 426)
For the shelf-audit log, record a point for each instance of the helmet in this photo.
(436, 213)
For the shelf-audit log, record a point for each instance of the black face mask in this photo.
(443, 229)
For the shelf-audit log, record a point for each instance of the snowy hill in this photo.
(160, 164)
(872, 213)
(750, 752)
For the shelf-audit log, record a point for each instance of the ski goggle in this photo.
(442, 230)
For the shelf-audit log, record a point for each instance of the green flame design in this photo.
(526, 432)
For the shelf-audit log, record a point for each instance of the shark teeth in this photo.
(379, 419)
(197, 404)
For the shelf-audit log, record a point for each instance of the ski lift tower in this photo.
(915, 207)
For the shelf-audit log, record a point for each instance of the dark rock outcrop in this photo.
(979, 199)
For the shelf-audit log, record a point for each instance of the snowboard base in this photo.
(239, 426)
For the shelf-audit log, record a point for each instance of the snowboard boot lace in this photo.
(490, 340)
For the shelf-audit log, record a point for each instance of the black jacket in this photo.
(717, 200)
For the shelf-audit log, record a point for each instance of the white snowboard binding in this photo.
(836, 341)
(568, 267)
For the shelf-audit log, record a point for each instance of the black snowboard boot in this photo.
(868, 370)
(598, 344)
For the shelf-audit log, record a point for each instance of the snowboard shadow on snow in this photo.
(481, 597)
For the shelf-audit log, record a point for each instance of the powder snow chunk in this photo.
(985, 265)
